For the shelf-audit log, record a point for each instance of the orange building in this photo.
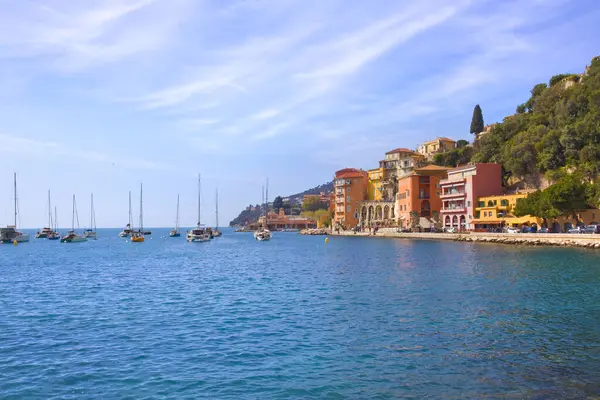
(350, 188)
(419, 192)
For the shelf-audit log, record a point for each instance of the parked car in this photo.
(451, 230)
(592, 229)
(510, 229)
(577, 229)
(544, 230)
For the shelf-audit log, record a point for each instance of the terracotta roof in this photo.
(350, 173)
(400, 150)
(432, 167)
(447, 139)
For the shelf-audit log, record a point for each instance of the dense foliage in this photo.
(569, 194)
(453, 158)
(557, 130)
(277, 203)
(477, 120)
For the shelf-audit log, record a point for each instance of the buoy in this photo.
(15, 242)
(326, 240)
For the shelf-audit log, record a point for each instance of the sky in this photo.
(103, 95)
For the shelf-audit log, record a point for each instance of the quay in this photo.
(527, 239)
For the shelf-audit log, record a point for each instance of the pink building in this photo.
(459, 192)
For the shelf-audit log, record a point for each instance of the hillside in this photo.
(556, 131)
(293, 202)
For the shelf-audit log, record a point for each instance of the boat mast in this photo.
(73, 216)
(141, 210)
(177, 216)
(15, 201)
(55, 220)
(49, 211)
(199, 200)
(267, 205)
(130, 219)
(92, 214)
(217, 208)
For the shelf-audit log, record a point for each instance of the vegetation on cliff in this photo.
(554, 133)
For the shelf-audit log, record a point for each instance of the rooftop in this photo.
(350, 173)
(400, 150)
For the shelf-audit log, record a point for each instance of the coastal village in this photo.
(407, 192)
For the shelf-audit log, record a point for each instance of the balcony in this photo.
(424, 197)
(454, 210)
(457, 193)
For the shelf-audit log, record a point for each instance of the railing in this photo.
(450, 194)
(423, 196)
(454, 209)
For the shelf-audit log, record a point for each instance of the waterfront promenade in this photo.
(530, 239)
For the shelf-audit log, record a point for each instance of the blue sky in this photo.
(98, 96)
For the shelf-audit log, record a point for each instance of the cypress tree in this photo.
(477, 121)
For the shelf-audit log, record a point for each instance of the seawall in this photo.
(528, 239)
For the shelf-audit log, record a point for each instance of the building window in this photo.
(348, 199)
(504, 202)
(348, 190)
(349, 208)
(469, 203)
(477, 214)
(485, 213)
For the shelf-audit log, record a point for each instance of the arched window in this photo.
(504, 203)
(490, 203)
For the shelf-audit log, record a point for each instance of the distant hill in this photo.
(252, 212)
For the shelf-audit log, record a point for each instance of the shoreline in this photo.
(590, 241)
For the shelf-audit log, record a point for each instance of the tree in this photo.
(477, 121)
(462, 143)
(277, 203)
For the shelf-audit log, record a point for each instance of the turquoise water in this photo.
(297, 318)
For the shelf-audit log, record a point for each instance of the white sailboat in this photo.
(19, 237)
(175, 231)
(55, 235)
(216, 232)
(90, 233)
(138, 236)
(72, 236)
(47, 232)
(127, 231)
(263, 233)
(198, 234)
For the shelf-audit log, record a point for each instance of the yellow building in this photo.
(435, 146)
(374, 186)
(497, 211)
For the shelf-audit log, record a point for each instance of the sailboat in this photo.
(175, 231)
(71, 236)
(127, 231)
(54, 235)
(198, 234)
(47, 231)
(10, 234)
(263, 233)
(216, 232)
(91, 232)
(138, 236)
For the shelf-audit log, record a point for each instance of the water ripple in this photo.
(297, 318)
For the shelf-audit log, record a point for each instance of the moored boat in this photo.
(54, 235)
(138, 236)
(90, 233)
(198, 234)
(126, 232)
(263, 233)
(11, 233)
(175, 231)
(72, 236)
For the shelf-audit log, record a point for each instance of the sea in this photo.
(297, 318)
